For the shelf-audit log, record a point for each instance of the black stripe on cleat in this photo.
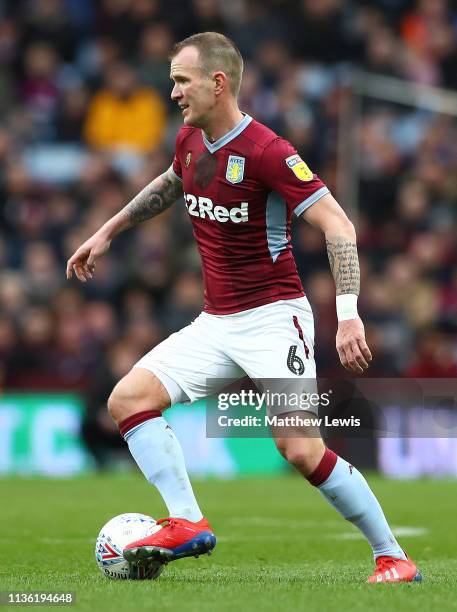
(146, 570)
(148, 553)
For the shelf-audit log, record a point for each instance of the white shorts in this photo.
(274, 341)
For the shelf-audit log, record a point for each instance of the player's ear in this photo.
(220, 82)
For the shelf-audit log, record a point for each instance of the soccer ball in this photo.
(114, 537)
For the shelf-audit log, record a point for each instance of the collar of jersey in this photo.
(223, 140)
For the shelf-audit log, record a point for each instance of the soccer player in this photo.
(256, 319)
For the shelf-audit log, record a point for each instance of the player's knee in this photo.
(136, 392)
(117, 404)
(304, 454)
(123, 403)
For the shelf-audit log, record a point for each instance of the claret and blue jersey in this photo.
(242, 231)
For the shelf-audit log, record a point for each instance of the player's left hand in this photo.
(351, 345)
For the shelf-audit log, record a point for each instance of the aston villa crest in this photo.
(235, 169)
(188, 159)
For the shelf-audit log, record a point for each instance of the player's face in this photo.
(193, 91)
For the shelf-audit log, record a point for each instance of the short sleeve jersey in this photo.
(241, 192)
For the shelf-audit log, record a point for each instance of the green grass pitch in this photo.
(280, 546)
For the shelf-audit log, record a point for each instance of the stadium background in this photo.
(86, 122)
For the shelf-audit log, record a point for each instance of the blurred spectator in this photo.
(143, 333)
(13, 299)
(61, 213)
(137, 303)
(205, 16)
(125, 115)
(186, 301)
(382, 52)
(124, 20)
(316, 24)
(41, 272)
(9, 38)
(70, 114)
(250, 24)
(99, 430)
(95, 55)
(101, 323)
(8, 344)
(151, 262)
(47, 20)
(153, 65)
(39, 88)
(32, 364)
(435, 355)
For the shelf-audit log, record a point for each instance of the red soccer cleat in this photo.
(391, 569)
(178, 538)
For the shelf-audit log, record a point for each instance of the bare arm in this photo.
(340, 238)
(156, 197)
(327, 215)
(344, 262)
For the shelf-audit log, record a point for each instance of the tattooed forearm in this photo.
(156, 197)
(344, 263)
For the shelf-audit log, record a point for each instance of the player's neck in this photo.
(223, 124)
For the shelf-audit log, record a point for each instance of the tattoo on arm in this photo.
(156, 197)
(344, 263)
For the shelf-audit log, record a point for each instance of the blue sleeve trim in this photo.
(317, 195)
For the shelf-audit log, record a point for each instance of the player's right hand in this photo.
(82, 262)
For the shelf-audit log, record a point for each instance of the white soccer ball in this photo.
(114, 537)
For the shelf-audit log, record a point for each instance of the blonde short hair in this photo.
(217, 52)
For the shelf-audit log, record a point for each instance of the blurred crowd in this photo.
(86, 121)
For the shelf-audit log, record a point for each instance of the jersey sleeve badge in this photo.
(299, 168)
(235, 169)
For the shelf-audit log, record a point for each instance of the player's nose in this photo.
(176, 93)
